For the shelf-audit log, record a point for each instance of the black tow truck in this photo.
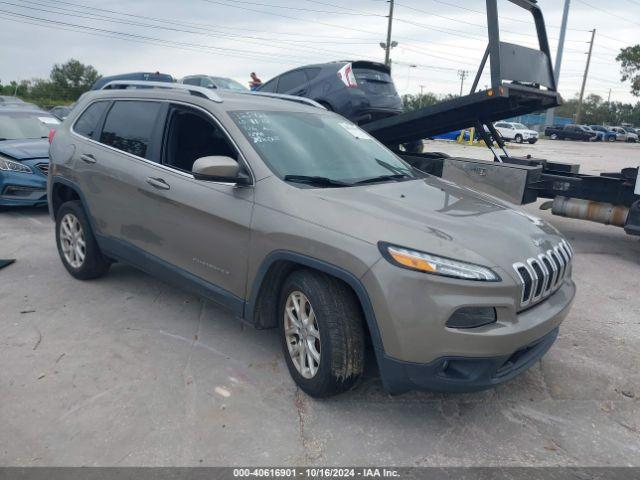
(522, 81)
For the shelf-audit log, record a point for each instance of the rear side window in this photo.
(87, 123)
(130, 126)
(291, 80)
(270, 86)
(192, 81)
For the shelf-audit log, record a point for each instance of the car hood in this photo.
(431, 215)
(25, 149)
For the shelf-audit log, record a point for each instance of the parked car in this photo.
(621, 134)
(516, 131)
(361, 91)
(209, 81)
(15, 102)
(599, 135)
(294, 217)
(141, 76)
(24, 153)
(632, 136)
(608, 135)
(570, 132)
(61, 112)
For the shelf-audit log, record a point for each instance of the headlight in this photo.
(11, 166)
(428, 263)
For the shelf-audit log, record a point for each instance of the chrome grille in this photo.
(540, 276)
(43, 167)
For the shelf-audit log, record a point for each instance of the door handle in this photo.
(158, 183)
(88, 158)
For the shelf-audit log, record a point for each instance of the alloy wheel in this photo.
(302, 334)
(72, 241)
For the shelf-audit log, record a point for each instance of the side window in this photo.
(270, 86)
(191, 135)
(191, 81)
(208, 83)
(87, 123)
(130, 126)
(291, 80)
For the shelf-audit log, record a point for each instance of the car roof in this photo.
(13, 109)
(230, 99)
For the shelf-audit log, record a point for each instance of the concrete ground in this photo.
(126, 370)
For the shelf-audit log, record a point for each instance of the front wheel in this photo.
(321, 331)
(553, 136)
(76, 243)
(533, 140)
(612, 139)
(518, 138)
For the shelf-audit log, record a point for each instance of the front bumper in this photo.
(22, 192)
(419, 351)
(25, 189)
(462, 374)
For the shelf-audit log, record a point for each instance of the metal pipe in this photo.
(599, 212)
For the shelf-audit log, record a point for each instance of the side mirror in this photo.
(218, 169)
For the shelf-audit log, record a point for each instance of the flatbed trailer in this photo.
(522, 81)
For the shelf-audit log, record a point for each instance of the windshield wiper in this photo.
(315, 180)
(393, 168)
(383, 178)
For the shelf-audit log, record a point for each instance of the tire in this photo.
(338, 338)
(554, 136)
(71, 217)
(612, 139)
(518, 138)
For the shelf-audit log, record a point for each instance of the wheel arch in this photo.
(262, 304)
(63, 191)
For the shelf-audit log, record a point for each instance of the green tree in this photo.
(629, 59)
(72, 79)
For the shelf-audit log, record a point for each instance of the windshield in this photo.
(229, 84)
(21, 125)
(318, 145)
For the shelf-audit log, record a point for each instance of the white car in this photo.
(517, 132)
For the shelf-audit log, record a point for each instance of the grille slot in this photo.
(43, 167)
(540, 276)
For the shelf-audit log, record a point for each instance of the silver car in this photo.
(295, 218)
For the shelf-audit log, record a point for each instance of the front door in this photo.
(203, 226)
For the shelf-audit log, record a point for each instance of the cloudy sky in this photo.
(436, 38)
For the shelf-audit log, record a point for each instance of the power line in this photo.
(608, 12)
(232, 37)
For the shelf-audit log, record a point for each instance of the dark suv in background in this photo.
(358, 90)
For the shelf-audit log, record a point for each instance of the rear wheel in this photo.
(554, 136)
(612, 139)
(76, 243)
(321, 332)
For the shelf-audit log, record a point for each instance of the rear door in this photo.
(113, 162)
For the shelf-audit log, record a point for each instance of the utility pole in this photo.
(584, 79)
(388, 45)
(422, 90)
(609, 97)
(462, 74)
(556, 72)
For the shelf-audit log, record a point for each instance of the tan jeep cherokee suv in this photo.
(295, 218)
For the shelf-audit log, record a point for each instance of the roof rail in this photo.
(282, 96)
(192, 89)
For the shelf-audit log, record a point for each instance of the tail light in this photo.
(52, 133)
(347, 76)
